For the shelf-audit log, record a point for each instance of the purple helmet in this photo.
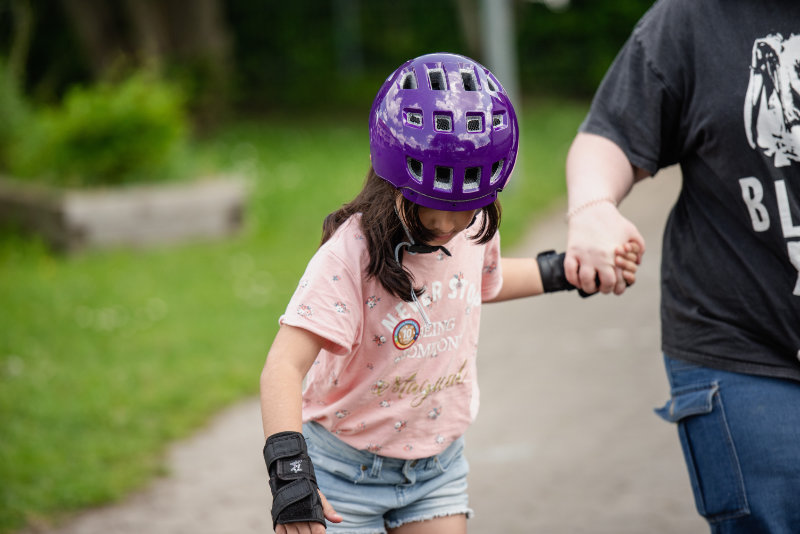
(442, 130)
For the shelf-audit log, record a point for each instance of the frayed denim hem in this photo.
(427, 517)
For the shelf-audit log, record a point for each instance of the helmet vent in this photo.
(498, 121)
(497, 169)
(443, 122)
(443, 179)
(414, 168)
(492, 85)
(409, 81)
(468, 78)
(414, 118)
(436, 77)
(474, 122)
(472, 179)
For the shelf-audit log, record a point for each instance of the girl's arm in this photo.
(522, 277)
(289, 359)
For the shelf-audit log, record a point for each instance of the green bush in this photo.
(107, 134)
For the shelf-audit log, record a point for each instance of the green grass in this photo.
(108, 356)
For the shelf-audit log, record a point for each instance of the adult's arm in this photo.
(599, 176)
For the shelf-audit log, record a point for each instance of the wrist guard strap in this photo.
(551, 268)
(291, 479)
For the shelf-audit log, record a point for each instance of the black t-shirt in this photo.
(714, 85)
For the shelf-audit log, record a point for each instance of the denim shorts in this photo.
(740, 436)
(372, 492)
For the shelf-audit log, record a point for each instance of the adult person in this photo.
(712, 85)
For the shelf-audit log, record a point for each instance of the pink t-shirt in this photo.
(388, 382)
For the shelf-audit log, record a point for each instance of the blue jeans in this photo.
(740, 436)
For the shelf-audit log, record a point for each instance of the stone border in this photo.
(134, 216)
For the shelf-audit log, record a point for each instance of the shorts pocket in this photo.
(709, 450)
(333, 463)
(453, 453)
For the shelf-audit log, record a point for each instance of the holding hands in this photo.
(595, 259)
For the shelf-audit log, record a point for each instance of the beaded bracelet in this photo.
(571, 213)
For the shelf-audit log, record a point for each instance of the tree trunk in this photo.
(470, 29)
(149, 30)
(199, 39)
(99, 32)
(21, 40)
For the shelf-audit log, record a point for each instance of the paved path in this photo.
(566, 441)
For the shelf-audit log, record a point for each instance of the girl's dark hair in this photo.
(383, 231)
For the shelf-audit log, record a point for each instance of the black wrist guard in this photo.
(551, 268)
(291, 478)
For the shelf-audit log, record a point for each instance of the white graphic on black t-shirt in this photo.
(772, 103)
(772, 124)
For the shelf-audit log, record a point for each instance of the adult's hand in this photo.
(595, 232)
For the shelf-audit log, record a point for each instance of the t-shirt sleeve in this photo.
(327, 302)
(492, 274)
(638, 104)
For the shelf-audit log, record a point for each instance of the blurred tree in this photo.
(470, 28)
(272, 54)
(188, 39)
(100, 32)
(567, 49)
(347, 37)
(21, 35)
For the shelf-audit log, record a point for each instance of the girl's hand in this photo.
(311, 527)
(627, 258)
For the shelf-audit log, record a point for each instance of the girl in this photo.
(384, 323)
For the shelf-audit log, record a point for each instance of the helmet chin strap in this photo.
(415, 248)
